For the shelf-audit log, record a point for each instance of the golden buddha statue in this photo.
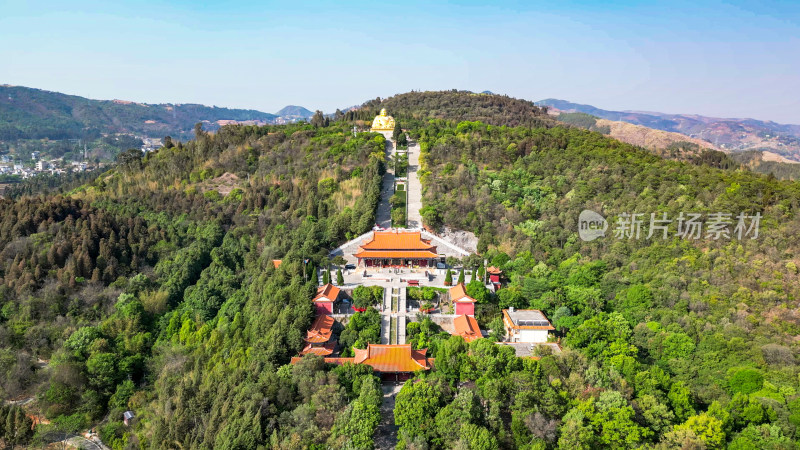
(383, 122)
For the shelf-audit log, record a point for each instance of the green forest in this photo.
(150, 287)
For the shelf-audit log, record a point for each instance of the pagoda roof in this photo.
(322, 350)
(398, 240)
(276, 263)
(467, 327)
(392, 358)
(327, 293)
(320, 330)
(494, 270)
(458, 294)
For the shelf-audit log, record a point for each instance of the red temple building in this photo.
(495, 276)
(397, 249)
(318, 338)
(392, 362)
(467, 327)
(326, 296)
(464, 304)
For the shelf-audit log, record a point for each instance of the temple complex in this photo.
(397, 249)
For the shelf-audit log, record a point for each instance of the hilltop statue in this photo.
(383, 122)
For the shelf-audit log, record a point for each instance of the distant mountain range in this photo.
(27, 113)
(729, 135)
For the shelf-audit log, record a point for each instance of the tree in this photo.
(478, 291)
(461, 277)
(746, 381)
(130, 159)
(397, 131)
(402, 140)
(448, 278)
(707, 428)
(318, 119)
(339, 277)
(326, 276)
(363, 297)
(416, 406)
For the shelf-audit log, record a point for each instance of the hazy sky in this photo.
(729, 59)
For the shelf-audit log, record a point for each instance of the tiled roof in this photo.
(322, 350)
(392, 358)
(494, 270)
(527, 319)
(386, 358)
(458, 294)
(320, 330)
(276, 263)
(327, 293)
(398, 240)
(395, 254)
(467, 327)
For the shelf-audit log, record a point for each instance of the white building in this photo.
(42, 165)
(526, 325)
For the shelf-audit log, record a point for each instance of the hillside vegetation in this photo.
(668, 342)
(27, 113)
(148, 289)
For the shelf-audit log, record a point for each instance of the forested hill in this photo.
(27, 113)
(459, 105)
(151, 288)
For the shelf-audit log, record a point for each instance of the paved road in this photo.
(414, 188)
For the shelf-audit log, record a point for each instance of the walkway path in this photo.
(384, 214)
(386, 433)
(414, 188)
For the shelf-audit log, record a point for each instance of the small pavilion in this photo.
(326, 296)
(464, 304)
(495, 276)
(396, 248)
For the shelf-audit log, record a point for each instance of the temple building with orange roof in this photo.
(391, 362)
(318, 338)
(326, 296)
(396, 248)
(467, 327)
(463, 303)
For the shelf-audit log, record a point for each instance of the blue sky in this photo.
(725, 59)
